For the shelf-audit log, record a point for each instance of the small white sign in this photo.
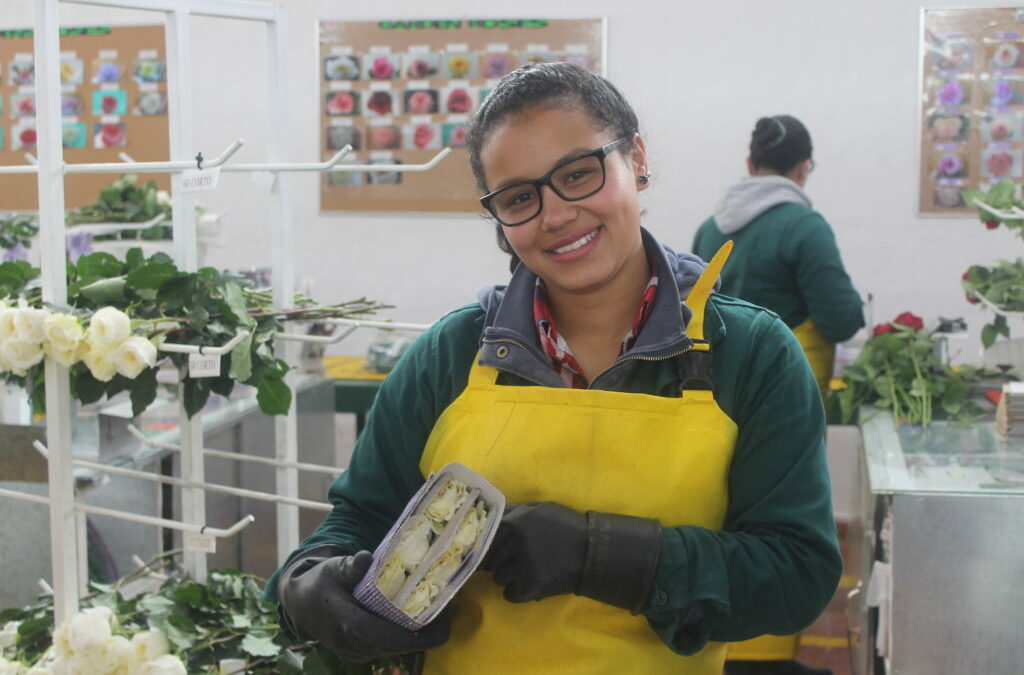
(70, 119)
(380, 121)
(110, 119)
(148, 54)
(109, 86)
(340, 85)
(380, 86)
(198, 542)
(264, 179)
(461, 119)
(499, 47)
(419, 49)
(382, 156)
(576, 49)
(68, 55)
(418, 84)
(108, 54)
(537, 48)
(148, 86)
(379, 49)
(67, 89)
(23, 56)
(341, 121)
(203, 365)
(420, 119)
(198, 180)
(457, 48)
(341, 50)
(27, 89)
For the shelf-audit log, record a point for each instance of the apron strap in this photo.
(698, 297)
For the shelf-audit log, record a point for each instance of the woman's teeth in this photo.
(582, 241)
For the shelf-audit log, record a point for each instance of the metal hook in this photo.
(199, 160)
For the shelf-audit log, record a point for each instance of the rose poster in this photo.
(113, 84)
(400, 91)
(972, 104)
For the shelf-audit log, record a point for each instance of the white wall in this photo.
(698, 73)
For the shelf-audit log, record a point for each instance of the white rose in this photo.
(149, 644)
(100, 363)
(414, 542)
(232, 666)
(420, 598)
(445, 503)
(7, 315)
(30, 324)
(391, 577)
(470, 528)
(63, 332)
(60, 641)
(89, 628)
(163, 198)
(133, 356)
(119, 656)
(168, 664)
(445, 567)
(9, 635)
(109, 327)
(9, 667)
(20, 355)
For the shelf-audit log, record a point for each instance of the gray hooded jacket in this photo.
(750, 197)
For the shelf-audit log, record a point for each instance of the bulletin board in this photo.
(113, 100)
(399, 91)
(972, 104)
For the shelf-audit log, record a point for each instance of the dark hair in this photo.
(779, 143)
(551, 85)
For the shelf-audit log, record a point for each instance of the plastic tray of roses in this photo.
(431, 551)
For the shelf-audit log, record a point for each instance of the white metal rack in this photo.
(50, 169)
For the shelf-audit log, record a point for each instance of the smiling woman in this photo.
(657, 507)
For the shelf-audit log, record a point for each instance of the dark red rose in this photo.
(991, 224)
(109, 105)
(380, 102)
(910, 321)
(882, 329)
(970, 298)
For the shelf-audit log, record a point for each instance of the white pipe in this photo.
(25, 497)
(298, 166)
(220, 454)
(226, 9)
(97, 229)
(172, 166)
(209, 487)
(201, 349)
(47, 588)
(19, 169)
(318, 339)
(172, 524)
(401, 168)
(142, 565)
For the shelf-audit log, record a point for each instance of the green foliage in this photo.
(1002, 286)
(18, 229)
(125, 202)
(227, 618)
(205, 308)
(899, 371)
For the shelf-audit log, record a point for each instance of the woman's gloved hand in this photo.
(316, 598)
(544, 549)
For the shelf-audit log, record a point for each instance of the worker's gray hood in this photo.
(746, 200)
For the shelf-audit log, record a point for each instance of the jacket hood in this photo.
(752, 196)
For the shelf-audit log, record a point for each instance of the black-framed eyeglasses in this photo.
(572, 180)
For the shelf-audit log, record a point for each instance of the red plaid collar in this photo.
(557, 348)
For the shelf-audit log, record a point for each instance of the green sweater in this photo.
(786, 259)
(774, 566)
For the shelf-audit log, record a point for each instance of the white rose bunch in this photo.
(421, 597)
(445, 567)
(445, 503)
(86, 644)
(9, 635)
(391, 578)
(414, 542)
(470, 528)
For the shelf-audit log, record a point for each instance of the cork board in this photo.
(972, 104)
(399, 91)
(114, 99)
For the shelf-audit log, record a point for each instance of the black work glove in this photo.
(316, 598)
(544, 549)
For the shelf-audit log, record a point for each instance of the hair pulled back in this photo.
(779, 143)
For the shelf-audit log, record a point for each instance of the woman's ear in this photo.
(638, 162)
(750, 166)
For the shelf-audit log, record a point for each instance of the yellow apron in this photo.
(821, 355)
(635, 454)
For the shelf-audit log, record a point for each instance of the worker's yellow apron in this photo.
(635, 454)
(821, 355)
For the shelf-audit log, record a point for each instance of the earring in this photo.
(644, 178)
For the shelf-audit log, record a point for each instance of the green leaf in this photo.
(134, 259)
(197, 391)
(152, 275)
(288, 663)
(99, 266)
(87, 388)
(222, 385)
(241, 360)
(256, 644)
(105, 291)
(274, 396)
(988, 335)
(143, 390)
(155, 604)
(1001, 194)
(235, 300)
(240, 621)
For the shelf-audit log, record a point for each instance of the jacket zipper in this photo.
(606, 370)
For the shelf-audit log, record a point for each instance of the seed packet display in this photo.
(431, 551)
